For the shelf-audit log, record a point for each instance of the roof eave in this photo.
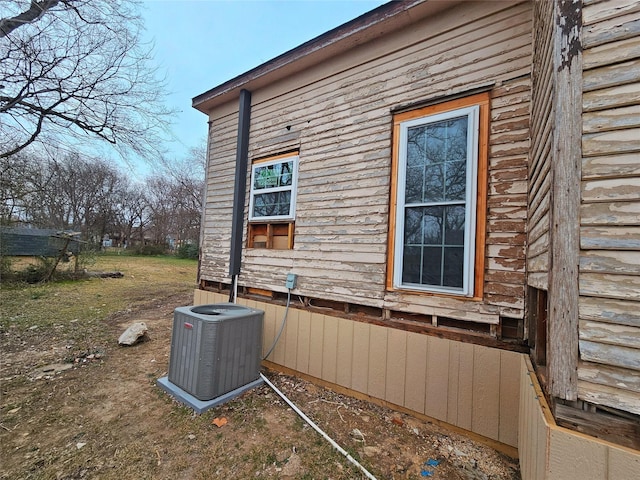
(386, 18)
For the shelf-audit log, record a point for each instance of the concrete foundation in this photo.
(201, 406)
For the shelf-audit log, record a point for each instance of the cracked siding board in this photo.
(609, 396)
(615, 119)
(614, 213)
(624, 287)
(619, 26)
(610, 334)
(614, 262)
(607, 375)
(612, 52)
(622, 95)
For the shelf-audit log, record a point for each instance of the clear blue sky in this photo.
(200, 44)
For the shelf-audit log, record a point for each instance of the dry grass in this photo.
(105, 418)
(108, 406)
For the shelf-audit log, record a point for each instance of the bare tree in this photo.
(175, 198)
(69, 68)
(14, 188)
(132, 217)
(70, 192)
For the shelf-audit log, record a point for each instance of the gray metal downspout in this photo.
(239, 190)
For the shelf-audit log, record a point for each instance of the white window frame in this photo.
(473, 119)
(293, 188)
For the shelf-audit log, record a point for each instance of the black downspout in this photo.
(239, 190)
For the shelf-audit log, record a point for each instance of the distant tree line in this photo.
(97, 199)
(77, 74)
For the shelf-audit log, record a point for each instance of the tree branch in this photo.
(35, 11)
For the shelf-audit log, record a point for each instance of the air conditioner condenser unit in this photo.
(215, 349)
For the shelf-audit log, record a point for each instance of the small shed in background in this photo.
(37, 242)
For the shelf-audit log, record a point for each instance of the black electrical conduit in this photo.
(242, 160)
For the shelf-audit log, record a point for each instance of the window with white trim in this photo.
(436, 194)
(273, 189)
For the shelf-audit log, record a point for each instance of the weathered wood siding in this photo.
(542, 114)
(549, 452)
(469, 386)
(218, 202)
(338, 115)
(610, 212)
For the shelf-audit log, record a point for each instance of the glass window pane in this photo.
(265, 177)
(271, 204)
(259, 207)
(284, 201)
(436, 142)
(453, 267)
(285, 171)
(433, 218)
(457, 139)
(455, 185)
(413, 226)
(416, 146)
(454, 225)
(273, 176)
(415, 180)
(433, 184)
(432, 266)
(436, 161)
(411, 261)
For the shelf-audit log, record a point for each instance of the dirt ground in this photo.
(93, 410)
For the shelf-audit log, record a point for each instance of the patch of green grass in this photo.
(70, 310)
(24, 306)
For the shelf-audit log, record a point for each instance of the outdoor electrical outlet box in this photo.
(291, 281)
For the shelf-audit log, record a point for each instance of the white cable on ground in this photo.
(318, 429)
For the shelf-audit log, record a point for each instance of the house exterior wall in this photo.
(609, 326)
(549, 452)
(338, 116)
(471, 387)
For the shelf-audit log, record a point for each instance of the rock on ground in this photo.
(133, 334)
